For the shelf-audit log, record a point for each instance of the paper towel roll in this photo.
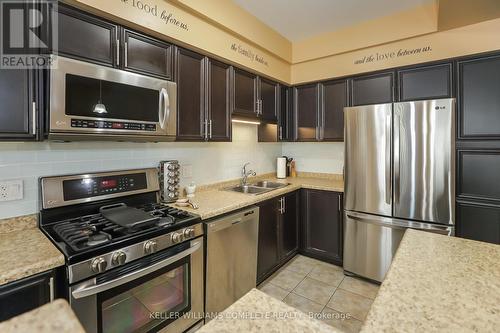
(281, 167)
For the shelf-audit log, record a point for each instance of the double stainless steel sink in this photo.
(257, 188)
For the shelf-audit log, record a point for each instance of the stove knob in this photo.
(188, 233)
(177, 237)
(118, 258)
(150, 247)
(98, 265)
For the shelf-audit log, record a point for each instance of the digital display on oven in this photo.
(92, 187)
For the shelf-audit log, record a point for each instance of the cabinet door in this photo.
(372, 89)
(268, 256)
(219, 110)
(335, 98)
(146, 55)
(190, 74)
(428, 82)
(285, 131)
(479, 222)
(24, 295)
(306, 112)
(244, 93)
(269, 100)
(479, 98)
(17, 113)
(322, 225)
(289, 226)
(86, 37)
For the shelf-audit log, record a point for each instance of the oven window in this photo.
(148, 305)
(121, 101)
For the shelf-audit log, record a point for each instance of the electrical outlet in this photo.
(11, 190)
(187, 171)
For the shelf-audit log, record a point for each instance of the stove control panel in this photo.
(169, 174)
(133, 252)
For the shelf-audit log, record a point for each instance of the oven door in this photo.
(163, 291)
(92, 100)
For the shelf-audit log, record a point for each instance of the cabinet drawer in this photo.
(478, 174)
(478, 222)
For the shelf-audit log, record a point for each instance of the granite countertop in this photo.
(258, 312)
(25, 250)
(214, 200)
(56, 316)
(439, 284)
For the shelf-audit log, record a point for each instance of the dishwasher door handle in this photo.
(237, 221)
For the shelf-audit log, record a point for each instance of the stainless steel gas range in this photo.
(132, 263)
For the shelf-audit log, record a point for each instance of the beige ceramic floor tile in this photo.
(329, 274)
(350, 303)
(341, 321)
(274, 291)
(303, 304)
(315, 290)
(359, 287)
(287, 279)
(301, 264)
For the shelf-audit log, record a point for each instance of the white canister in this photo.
(281, 167)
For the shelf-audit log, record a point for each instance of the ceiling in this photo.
(300, 19)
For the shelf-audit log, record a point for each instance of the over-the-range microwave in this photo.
(93, 102)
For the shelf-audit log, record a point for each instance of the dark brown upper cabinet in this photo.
(244, 98)
(145, 55)
(285, 130)
(478, 221)
(372, 89)
(306, 112)
(322, 225)
(87, 37)
(479, 98)
(268, 99)
(334, 97)
(20, 109)
(425, 82)
(190, 74)
(218, 115)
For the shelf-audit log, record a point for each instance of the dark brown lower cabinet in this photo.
(278, 233)
(321, 225)
(26, 294)
(478, 221)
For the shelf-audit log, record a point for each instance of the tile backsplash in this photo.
(207, 162)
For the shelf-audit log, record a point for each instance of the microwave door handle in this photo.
(99, 288)
(163, 107)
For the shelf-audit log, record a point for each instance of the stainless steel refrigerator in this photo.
(399, 174)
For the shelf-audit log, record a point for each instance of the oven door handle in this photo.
(95, 289)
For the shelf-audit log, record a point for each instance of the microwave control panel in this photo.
(113, 125)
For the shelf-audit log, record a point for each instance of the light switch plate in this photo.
(11, 190)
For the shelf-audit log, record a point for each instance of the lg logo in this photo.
(28, 33)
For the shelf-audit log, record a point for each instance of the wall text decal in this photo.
(381, 56)
(246, 52)
(164, 15)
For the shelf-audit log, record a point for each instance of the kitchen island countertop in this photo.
(258, 312)
(439, 284)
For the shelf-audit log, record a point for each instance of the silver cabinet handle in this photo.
(33, 120)
(339, 208)
(210, 128)
(125, 53)
(51, 289)
(388, 186)
(117, 52)
(284, 205)
(205, 129)
(98, 288)
(281, 133)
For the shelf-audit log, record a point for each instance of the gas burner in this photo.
(98, 239)
(166, 221)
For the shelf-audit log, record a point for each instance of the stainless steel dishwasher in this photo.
(231, 258)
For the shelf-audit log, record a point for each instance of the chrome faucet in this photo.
(245, 174)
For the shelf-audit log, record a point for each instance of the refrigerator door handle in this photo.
(401, 224)
(388, 180)
(397, 148)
